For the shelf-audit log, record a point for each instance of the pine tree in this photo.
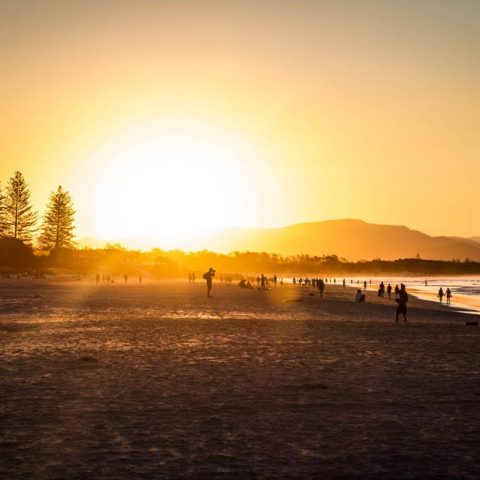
(3, 224)
(58, 222)
(19, 219)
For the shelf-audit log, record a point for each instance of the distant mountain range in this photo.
(351, 239)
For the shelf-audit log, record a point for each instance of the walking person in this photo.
(448, 294)
(402, 303)
(440, 294)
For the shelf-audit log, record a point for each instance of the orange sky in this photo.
(166, 117)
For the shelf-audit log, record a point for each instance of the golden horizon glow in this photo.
(173, 179)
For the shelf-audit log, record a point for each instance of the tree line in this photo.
(19, 221)
(117, 261)
(20, 226)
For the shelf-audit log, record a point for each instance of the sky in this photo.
(168, 118)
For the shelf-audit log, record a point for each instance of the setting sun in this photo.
(171, 179)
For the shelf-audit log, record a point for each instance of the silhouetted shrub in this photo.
(15, 254)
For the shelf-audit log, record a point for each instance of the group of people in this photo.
(109, 278)
(401, 295)
(381, 290)
(313, 282)
(447, 294)
(263, 282)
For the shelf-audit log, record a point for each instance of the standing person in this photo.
(365, 285)
(402, 303)
(397, 292)
(263, 280)
(321, 288)
(344, 286)
(208, 276)
(440, 294)
(275, 280)
(389, 291)
(448, 294)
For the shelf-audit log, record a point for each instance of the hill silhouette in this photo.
(351, 239)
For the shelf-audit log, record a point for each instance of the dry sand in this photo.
(157, 381)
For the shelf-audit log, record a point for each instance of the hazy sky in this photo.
(159, 116)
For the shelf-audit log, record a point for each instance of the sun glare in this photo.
(166, 182)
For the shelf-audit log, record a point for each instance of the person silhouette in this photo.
(321, 288)
(440, 294)
(208, 276)
(402, 301)
(389, 291)
(448, 294)
(359, 296)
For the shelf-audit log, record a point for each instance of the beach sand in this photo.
(157, 381)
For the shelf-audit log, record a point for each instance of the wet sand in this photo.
(157, 381)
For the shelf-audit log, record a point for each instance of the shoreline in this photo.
(84, 297)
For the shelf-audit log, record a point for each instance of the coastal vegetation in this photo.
(114, 259)
(26, 248)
